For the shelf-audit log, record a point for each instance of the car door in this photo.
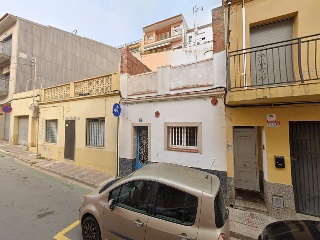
(129, 217)
(174, 215)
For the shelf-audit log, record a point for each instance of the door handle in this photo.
(245, 165)
(139, 223)
(184, 236)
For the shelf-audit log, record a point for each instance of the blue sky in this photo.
(113, 22)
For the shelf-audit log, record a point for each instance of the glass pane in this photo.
(176, 206)
(133, 195)
(220, 210)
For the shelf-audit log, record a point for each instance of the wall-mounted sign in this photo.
(6, 108)
(271, 117)
(273, 123)
(116, 109)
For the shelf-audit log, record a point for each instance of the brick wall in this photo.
(130, 64)
(218, 29)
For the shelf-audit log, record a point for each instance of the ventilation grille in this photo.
(277, 202)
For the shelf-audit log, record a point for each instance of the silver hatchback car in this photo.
(160, 201)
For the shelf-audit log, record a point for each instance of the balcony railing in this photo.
(5, 51)
(286, 62)
(4, 87)
(103, 85)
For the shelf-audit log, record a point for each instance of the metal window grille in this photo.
(95, 132)
(183, 137)
(51, 131)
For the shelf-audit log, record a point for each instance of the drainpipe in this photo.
(244, 45)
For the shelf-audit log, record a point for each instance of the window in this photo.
(51, 131)
(175, 205)
(220, 210)
(134, 195)
(149, 37)
(190, 39)
(183, 136)
(95, 132)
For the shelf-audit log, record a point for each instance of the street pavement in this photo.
(244, 225)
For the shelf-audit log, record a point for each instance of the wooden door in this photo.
(69, 139)
(246, 159)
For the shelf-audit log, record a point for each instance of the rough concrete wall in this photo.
(130, 64)
(218, 29)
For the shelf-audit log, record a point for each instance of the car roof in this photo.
(185, 177)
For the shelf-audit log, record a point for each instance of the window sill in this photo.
(95, 147)
(183, 150)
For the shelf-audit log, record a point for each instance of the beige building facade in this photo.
(35, 56)
(272, 105)
(71, 122)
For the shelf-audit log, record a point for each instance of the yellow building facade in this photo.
(71, 122)
(272, 106)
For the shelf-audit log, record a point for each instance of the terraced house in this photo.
(272, 106)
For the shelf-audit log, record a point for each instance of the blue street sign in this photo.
(116, 109)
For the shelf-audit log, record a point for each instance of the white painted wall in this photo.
(171, 81)
(206, 74)
(213, 154)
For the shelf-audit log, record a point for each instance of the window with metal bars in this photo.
(51, 131)
(183, 137)
(95, 132)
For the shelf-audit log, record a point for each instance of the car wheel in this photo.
(90, 229)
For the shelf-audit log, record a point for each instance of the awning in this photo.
(157, 46)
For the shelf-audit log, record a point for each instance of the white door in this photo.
(23, 130)
(246, 159)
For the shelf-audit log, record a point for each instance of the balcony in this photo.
(163, 39)
(286, 71)
(4, 87)
(93, 87)
(5, 52)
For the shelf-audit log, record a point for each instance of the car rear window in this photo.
(220, 210)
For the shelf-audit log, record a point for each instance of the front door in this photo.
(23, 130)
(142, 147)
(305, 166)
(246, 159)
(69, 142)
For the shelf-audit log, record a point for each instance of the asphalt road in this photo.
(37, 206)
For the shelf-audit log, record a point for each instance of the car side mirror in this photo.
(112, 204)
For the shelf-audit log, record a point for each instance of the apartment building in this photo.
(272, 106)
(34, 56)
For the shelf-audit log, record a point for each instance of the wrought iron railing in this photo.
(286, 62)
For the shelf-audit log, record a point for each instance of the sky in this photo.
(113, 22)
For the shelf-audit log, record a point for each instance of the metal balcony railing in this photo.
(5, 49)
(286, 62)
(4, 86)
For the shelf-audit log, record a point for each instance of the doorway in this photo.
(142, 146)
(69, 142)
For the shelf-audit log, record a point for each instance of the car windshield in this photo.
(220, 210)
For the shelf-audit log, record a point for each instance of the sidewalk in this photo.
(68, 170)
(244, 225)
